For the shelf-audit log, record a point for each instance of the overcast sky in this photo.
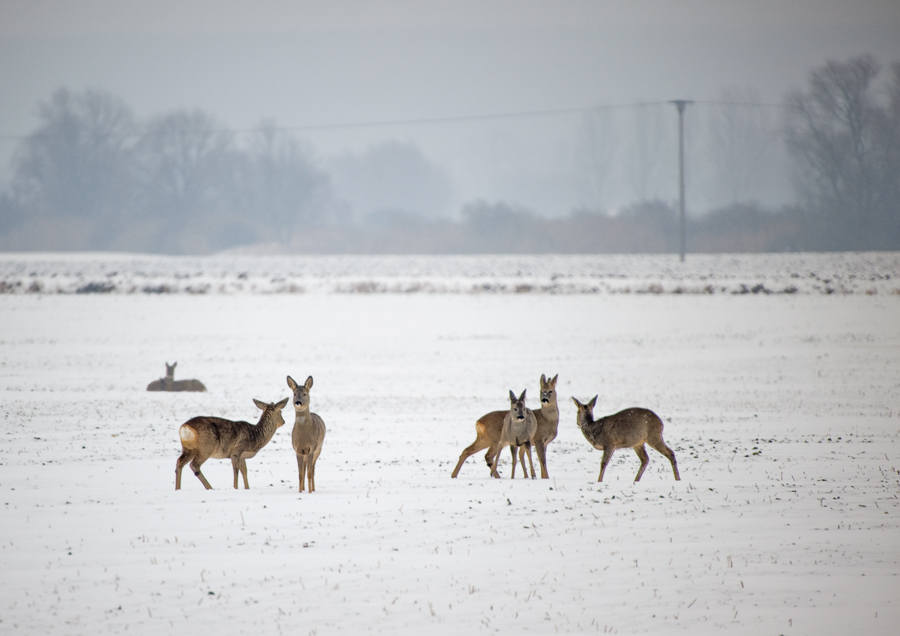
(305, 63)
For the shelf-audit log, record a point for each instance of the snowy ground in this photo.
(783, 410)
(843, 273)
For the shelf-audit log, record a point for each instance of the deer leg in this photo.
(476, 446)
(642, 455)
(495, 462)
(607, 455)
(530, 462)
(195, 466)
(179, 465)
(541, 451)
(489, 455)
(235, 466)
(301, 468)
(512, 451)
(311, 472)
(665, 450)
(244, 473)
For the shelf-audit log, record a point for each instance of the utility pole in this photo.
(680, 104)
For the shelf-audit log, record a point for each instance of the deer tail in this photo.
(188, 436)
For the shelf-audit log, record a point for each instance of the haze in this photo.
(307, 64)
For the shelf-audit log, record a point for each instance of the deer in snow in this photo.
(489, 426)
(631, 428)
(519, 426)
(547, 422)
(308, 434)
(169, 383)
(206, 436)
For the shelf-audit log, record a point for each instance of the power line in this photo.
(385, 123)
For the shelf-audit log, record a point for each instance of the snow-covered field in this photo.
(783, 410)
(845, 273)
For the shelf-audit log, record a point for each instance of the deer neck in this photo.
(585, 422)
(302, 416)
(264, 429)
(550, 411)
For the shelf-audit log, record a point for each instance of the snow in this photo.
(843, 273)
(783, 411)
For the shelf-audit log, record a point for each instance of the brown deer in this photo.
(547, 422)
(519, 427)
(489, 426)
(169, 383)
(631, 428)
(205, 437)
(308, 434)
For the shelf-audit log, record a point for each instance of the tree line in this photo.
(92, 176)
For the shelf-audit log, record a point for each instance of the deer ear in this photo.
(592, 402)
(512, 396)
(291, 384)
(281, 404)
(522, 397)
(260, 404)
(543, 379)
(553, 381)
(309, 383)
(174, 364)
(577, 403)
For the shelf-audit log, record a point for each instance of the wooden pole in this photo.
(680, 104)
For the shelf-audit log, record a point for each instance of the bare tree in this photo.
(646, 165)
(77, 164)
(280, 184)
(597, 156)
(392, 176)
(187, 165)
(845, 141)
(743, 147)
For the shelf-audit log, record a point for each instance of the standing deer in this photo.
(205, 437)
(489, 426)
(169, 383)
(547, 422)
(308, 434)
(631, 428)
(519, 427)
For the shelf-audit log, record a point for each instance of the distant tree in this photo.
(743, 147)
(598, 157)
(845, 136)
(646, 151)
(77, 167)
(394, 176)
(500, 227)
(282, 189)
(187, 165)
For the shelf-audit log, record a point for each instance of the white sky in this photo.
(303, 63)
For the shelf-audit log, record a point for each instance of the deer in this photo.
(308, 434)
(631, 428)
(489, 426)
(519, 427)
(169, 383)
(206, 436)
(547, 422)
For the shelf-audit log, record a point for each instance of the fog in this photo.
(547, 106)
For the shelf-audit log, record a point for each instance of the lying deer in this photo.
(205, 437)
(631, 428)
(308, 434)
(519, 427)
(489, 426)
(169, 383)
